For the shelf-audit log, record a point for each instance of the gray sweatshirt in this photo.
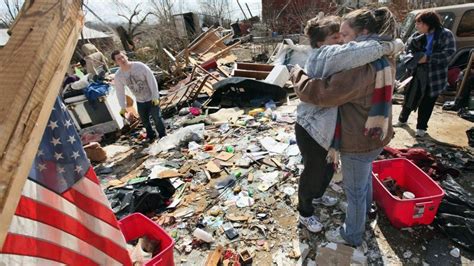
(323, 62)
(141, 82)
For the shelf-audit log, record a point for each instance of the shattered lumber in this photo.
(32, 67)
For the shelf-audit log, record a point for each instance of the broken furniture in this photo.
(251, 70)
(210, 45)
(274, 74)
(101, 116)
(200, 82)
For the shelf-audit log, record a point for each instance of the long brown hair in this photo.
(379, 21)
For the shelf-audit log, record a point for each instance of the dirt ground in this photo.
(272, 238)
(426, 244)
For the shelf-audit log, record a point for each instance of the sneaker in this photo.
(334, 235)
(311, 223)
(372, 213)
(400, 124)
(420, 133)
(326, 200)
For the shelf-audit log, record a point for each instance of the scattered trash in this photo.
(338, 254)
(407, 254)
(455, 252)
(203, 235)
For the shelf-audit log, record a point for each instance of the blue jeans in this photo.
(357, 181)
(147, 109)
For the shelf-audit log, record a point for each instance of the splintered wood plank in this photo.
(32, 67)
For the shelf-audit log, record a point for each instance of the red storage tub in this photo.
(137, 225)
(406, 212)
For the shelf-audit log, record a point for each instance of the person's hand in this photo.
(156, 102)
(423, 60)
(123, 112)
(296, 70)
(398, 46)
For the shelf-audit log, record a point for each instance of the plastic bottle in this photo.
(203, 235)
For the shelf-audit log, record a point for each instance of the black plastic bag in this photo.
(455, 215)
(144, 197)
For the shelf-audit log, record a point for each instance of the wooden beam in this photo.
(253, 66)
(250, 74)
(467, 73)
(32, 68)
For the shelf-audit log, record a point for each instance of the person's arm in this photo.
(120, 88)
(448, 49)
(339, 89)
(331, 59)
(152, 84)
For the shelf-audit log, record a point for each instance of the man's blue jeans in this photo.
(147, 109)
(357, 181)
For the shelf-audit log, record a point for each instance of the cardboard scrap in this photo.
(185, 168)
(224, 156)
(114, 183)
(250, 177)
(169, 174)
(338, 254)
(237, 218)
(212, 167)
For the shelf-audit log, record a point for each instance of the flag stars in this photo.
(61, 170)
(40, 153)
(55, 141)
(78, 169)
(41, 167)
(68, 123)
(58, 156)
(53, 124)
(71, 139)
(75, 155)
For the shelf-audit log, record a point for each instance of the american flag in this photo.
(63, 216)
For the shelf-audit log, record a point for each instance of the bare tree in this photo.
(9, 11)
(216, 8)
(163, 10)
(135, 18)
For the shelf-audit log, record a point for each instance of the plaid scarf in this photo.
(376, 125)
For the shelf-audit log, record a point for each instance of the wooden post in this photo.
(467, 73)
(32, 68)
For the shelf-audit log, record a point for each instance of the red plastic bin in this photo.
(137, 225)
(406, 212)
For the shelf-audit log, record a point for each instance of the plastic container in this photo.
(137, 225)
(406, 212)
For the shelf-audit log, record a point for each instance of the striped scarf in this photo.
(376, 125)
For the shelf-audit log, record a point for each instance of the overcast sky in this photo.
(108, 10)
